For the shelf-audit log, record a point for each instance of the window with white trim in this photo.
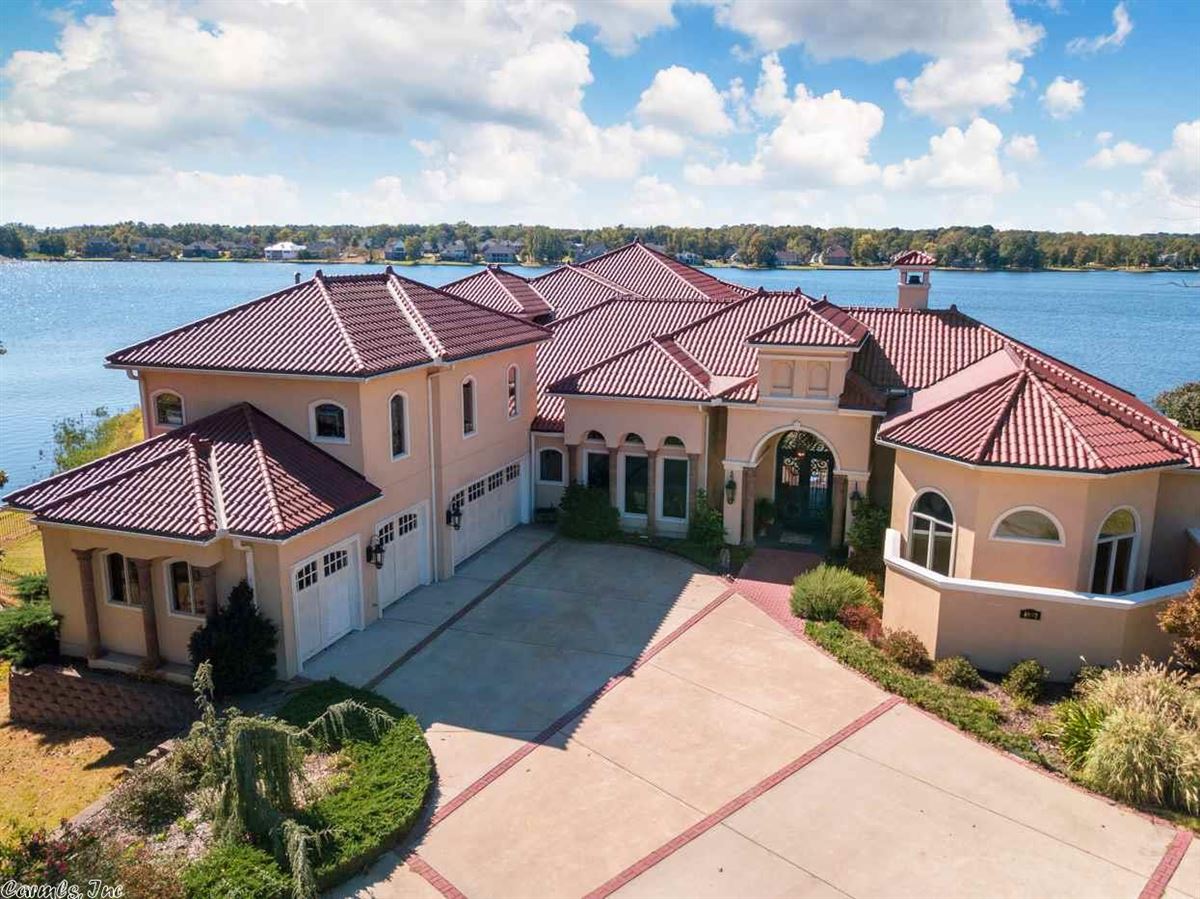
(931, 533)
(495, 480)
(468, 407)
(513, 403)
(550, 466)
(122, 581)
(329, 422)
(168, 409)
(512, 471)
(1112, 569)
(333, 562)
(674, 488)
(1027, 526)
(183, 591)
(398, 410)
(476, 490)
(637, 484)
(306, 575)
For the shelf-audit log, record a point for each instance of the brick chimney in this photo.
(914, 267)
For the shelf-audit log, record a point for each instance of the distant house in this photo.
(658, 247)
(284, 250)
(152, 246)
(834, 254)
(788, 257)
(324, 248)
(99, 248)
(687, 257)
(237, 249)
(455, 252)
(591, 251)
(497, 251)
(201, 249)
(394, 249)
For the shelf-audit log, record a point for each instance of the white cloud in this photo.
(1063, 98)
(1121, 153)
(1104, 138)
(1174, 176)
(656, 202)
(1122, 27)
(954, 88)
(685, 101)
(1022, 148)
(957, 160)
(620, 24)
(771, 95)
(975, 44)
(818, 141)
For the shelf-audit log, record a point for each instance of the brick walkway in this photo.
(766, 580)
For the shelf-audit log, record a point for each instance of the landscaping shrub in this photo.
(1134, 733)
(821, 593)
(236, 869)
(975, 714)
(29, 634)
(1182, 403)
(32, 588)
(905, 649)
(957, 672)
(1086, 673)
(866, 532)
(240, 642)
(707, 526)
(861, 618)
(585, 513)
(151, 799)
(1025, 681)
(1181, 618)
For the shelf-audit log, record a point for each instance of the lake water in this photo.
(59, 320)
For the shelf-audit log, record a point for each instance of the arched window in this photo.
(634, 438)
(550, 466)
(1027, 525)
(594, 435)
(329, 422)
(468, 407)
(168, 409)
(1113, 569)
(931, 533)
(513, 403)
(673, 441)
(398, 408)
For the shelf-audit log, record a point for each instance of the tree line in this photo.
(982, 247)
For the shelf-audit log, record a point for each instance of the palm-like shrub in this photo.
(820, 594)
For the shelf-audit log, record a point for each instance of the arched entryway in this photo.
(804, 489)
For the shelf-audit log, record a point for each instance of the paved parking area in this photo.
(609, 721)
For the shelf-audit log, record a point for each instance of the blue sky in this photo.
(1069, 115)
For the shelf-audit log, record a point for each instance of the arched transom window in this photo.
(1027, 526)
(931, 533)
(1113, 568)
(329, 422)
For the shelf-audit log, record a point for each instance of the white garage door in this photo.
(490, 506)
(327, 599)
(405, 542)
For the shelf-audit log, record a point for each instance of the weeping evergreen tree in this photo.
(254, 764)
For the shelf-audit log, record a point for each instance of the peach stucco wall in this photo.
(979, 497)
(848, 435)
(1172, 556)
(653, 422)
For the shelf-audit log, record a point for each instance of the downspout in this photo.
(434, 507)
(532, 479)
(246, 548)
(134, 375)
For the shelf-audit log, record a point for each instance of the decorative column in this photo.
(572, 463)
(87, 579)
(149, 612)
(651, 490)
(206, 588)
(748, 496)
(693, 483)
(612, 476)
(838, 507)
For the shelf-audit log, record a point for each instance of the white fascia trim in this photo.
(894, 561)
(625, 399)
(1046, 472)
(800, 349)
(124, 533)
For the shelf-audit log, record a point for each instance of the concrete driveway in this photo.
(611, 721)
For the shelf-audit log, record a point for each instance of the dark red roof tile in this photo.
(500, 289)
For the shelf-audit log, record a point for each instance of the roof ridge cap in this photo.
(678, 354)
(218, 491)
(456, 298)
(416, 321)
(260, 457)
(319, 279)
(600, 279)
(193, 456)
(993, 434)
(1061, 414)
(661, 258)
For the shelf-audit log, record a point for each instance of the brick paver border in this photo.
(1157, 884)
(736, 804)
(579, 708)
(433, 877)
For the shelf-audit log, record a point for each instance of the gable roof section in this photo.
(649, 273)
(336, 326)
(238, 471)
(500, 289)
(913, 257)
(821, 325)
(1016, 408)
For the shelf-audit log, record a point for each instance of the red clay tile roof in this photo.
(238, 471)
(822, 324)
(913, 257)
(498, 288)
(913, 348)
(649, 273)
(336, 326)
(1017, 408)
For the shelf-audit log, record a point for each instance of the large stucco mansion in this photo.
(349, 438)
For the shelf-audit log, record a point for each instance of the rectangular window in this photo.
(387, 533)
(123, 587)
(512, 472)
(408, 523)
(399, 426)
(597, 470)
(306, 576)
(674, 488)
(495, 480)
(550, 466)
(335, 561)
(636, 484)
(476, 490)
(185, 598)
(468, 407)
(512, 392)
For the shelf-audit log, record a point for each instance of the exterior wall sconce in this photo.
(375, 551)
(454, 517)
(856, 496)
(730, 490)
